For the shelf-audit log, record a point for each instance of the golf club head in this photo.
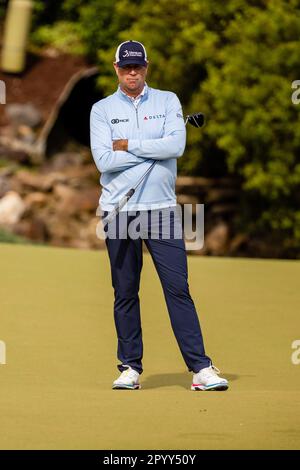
(196, 120)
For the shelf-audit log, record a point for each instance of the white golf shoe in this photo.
(128, 380)
(208, 379)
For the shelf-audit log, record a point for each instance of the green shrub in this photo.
(8, 237)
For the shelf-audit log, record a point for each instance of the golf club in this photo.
(196, 120)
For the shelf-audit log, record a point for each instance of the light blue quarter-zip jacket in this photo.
(155, 130)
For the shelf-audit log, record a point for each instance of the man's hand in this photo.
(121, 144)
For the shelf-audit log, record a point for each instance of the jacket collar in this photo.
(123, 95)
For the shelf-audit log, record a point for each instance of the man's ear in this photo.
(115, 67)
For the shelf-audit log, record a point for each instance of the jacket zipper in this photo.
(137, 117)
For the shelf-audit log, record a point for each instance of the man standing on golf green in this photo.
(129, 129)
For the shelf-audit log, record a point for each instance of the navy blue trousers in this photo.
(170, 260)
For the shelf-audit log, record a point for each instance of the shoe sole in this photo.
(126, 387)
(216, 387)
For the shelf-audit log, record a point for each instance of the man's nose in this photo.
(132, 71)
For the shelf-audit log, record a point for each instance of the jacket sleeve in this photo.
(172, 144)
(106, 159)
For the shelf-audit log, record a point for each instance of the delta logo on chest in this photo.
(155, 116)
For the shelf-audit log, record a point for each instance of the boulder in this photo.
(5, 185)
(62, 229)
(12, 207)
(32, 228)
(30, 179)
(87, 236)
(42, 182)
(72, 201)
(26, 134)
(216, 241)
(65, 160)
(19, 113)
(35, 200)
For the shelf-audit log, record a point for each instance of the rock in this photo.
(73, 202)
(187, 199)
(217, 240)
(35, 200)
(89, 199)
(91, 234)
(16, 145)
(87, 236)
(51, 52)
(7, 131)
(19, 156)
(66, 199)
(8, 170)
(221, 195)
(221, 209)
(5, 185)
(26, 114)
(52, 178)
(62, 228)
(77, 243)
(39, 181)
(16, 185)
(33, 228)
(66, 160)
(26, 134)
(12, 208)
(84, 174)
(33, 180)
(16, 155)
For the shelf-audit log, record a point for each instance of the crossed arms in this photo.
(118, 155)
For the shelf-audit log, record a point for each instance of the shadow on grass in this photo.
(182, 379)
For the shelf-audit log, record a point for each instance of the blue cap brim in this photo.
(123, 63)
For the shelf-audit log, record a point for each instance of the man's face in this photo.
(131, 77)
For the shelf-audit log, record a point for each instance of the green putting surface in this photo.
(57, 324)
